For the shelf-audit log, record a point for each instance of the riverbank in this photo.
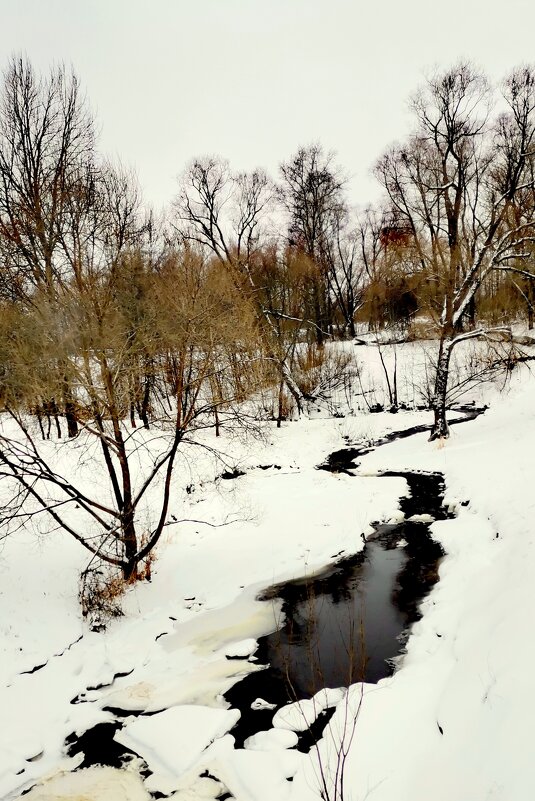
(456, 709)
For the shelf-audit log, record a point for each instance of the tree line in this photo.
(116, 325)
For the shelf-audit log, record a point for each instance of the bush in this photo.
(101, 589)
(320, 371)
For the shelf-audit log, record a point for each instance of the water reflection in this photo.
(350, 622)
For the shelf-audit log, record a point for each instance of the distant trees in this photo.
(389, 271)
(294, 282)
(463, 186)
(225, 214)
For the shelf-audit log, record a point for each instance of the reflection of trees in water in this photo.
(324, 641)
(335, 630)
(420, 572)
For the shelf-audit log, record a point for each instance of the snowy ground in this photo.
(451, 724)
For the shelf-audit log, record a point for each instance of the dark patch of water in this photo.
(469, 412)
(348, 623)
(425, 495)
(100, 748)
(119, 712)
(342, 461)
(228, 475)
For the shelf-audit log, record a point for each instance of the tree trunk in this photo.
(471, 314)
(40, 421)
(55, 415)
(317, 312)
(290, 383)
(281, 400)
(70, 409)
(145, 402)
(440, 428)
(529, 302)
(70, 416)
(129, 539)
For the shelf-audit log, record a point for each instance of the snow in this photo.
(452, 723)
(172, 740)
(97, 784)
(271, 740)
(420, 519)
(300, 715)
(259, 775)
(241, 650)
(259, 703)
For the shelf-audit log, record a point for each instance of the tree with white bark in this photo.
(459, 183)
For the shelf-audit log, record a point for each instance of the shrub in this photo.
(101, 589)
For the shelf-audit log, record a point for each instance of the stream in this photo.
(350, 622)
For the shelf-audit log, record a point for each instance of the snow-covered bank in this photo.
(451, 724)
(454, 723)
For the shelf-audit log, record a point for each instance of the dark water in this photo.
(98, 747)
(326, 639)
(350, 622)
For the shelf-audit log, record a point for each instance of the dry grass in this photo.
(322, 370)
(101, 590)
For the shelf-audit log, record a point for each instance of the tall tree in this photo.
(455, 183)
(311, 191)
(46, 140)
(225, 213)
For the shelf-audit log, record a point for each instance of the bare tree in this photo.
(46, 141)
(455, 184)
(46, 138)
(345, 270)
(189, 334)
(311, 191)
(225, 213)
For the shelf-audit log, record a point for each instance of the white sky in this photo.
(253, 79)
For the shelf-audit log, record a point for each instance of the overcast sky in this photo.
(253, 79)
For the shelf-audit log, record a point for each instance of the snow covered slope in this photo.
(452, 724)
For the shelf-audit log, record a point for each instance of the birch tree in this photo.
(456, 183)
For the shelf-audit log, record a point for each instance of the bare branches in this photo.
(223, 211)
(464, 184)
(46, 137)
